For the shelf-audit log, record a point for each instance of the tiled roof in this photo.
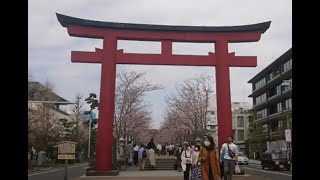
(38, 92)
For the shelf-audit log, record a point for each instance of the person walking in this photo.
(196, 165)
(186, 162)
(230, 157)
(142, 154)
(135, 155)
(210, 168)
(178, 154)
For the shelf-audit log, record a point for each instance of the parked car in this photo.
(242, 159)
(275, 160)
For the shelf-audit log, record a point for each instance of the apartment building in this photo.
(272, 107)
(241, 117)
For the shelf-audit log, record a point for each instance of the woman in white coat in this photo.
(151, 156)
(186, 162)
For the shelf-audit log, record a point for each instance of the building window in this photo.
(279, 107)
(240, 135)
(240, 121)
(265, 128)
(279, 89)
(262, 113)
(287, 84)
(260, 83)
(261, 98)
(270, 76)
(277, 72)
(288, 103)
(280, 125)
(287, 65)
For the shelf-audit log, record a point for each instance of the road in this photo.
(253, 172)
(256, 172)
(74, 172)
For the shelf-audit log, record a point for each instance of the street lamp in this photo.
(121, 141)
(90, 120)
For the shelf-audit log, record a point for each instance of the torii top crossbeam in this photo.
(109, 56)
(166, 34)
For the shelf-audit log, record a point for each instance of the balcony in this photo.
(260, 104)
(287, 110)
(260, 136)
(275, 115)
(287, 73)
(261, 119)
(273, 79)
(277, 79)
(274, 97)
(277, 134)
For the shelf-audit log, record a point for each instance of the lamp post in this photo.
(89, 130)
(90, 120)
(94, 103)
(121, 144)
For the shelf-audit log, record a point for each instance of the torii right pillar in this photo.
(225, 60)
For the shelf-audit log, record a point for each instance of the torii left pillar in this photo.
(106, 111)
(107, 58)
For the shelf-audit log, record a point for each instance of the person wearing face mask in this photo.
(186, 162)
(210, 168)
(196, 165)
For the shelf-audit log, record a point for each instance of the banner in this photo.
(288, 135)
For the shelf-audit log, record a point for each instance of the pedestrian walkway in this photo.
(42, 169)
(148, 175)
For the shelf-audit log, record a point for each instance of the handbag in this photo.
(196, 172)
(188, 161)
(237, 169)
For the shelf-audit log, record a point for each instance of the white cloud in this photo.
(50, 45)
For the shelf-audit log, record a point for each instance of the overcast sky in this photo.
(50, 46)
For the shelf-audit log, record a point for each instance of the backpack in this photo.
(144, 154)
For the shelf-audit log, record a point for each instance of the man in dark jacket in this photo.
(151, 145)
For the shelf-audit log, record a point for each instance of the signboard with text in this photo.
(66, 147)
(288, 135)
(66, 156)
(66, 151)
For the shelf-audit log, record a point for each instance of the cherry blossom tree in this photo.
(131, 117)
(187, 111)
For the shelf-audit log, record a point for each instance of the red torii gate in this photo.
(109, 56)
